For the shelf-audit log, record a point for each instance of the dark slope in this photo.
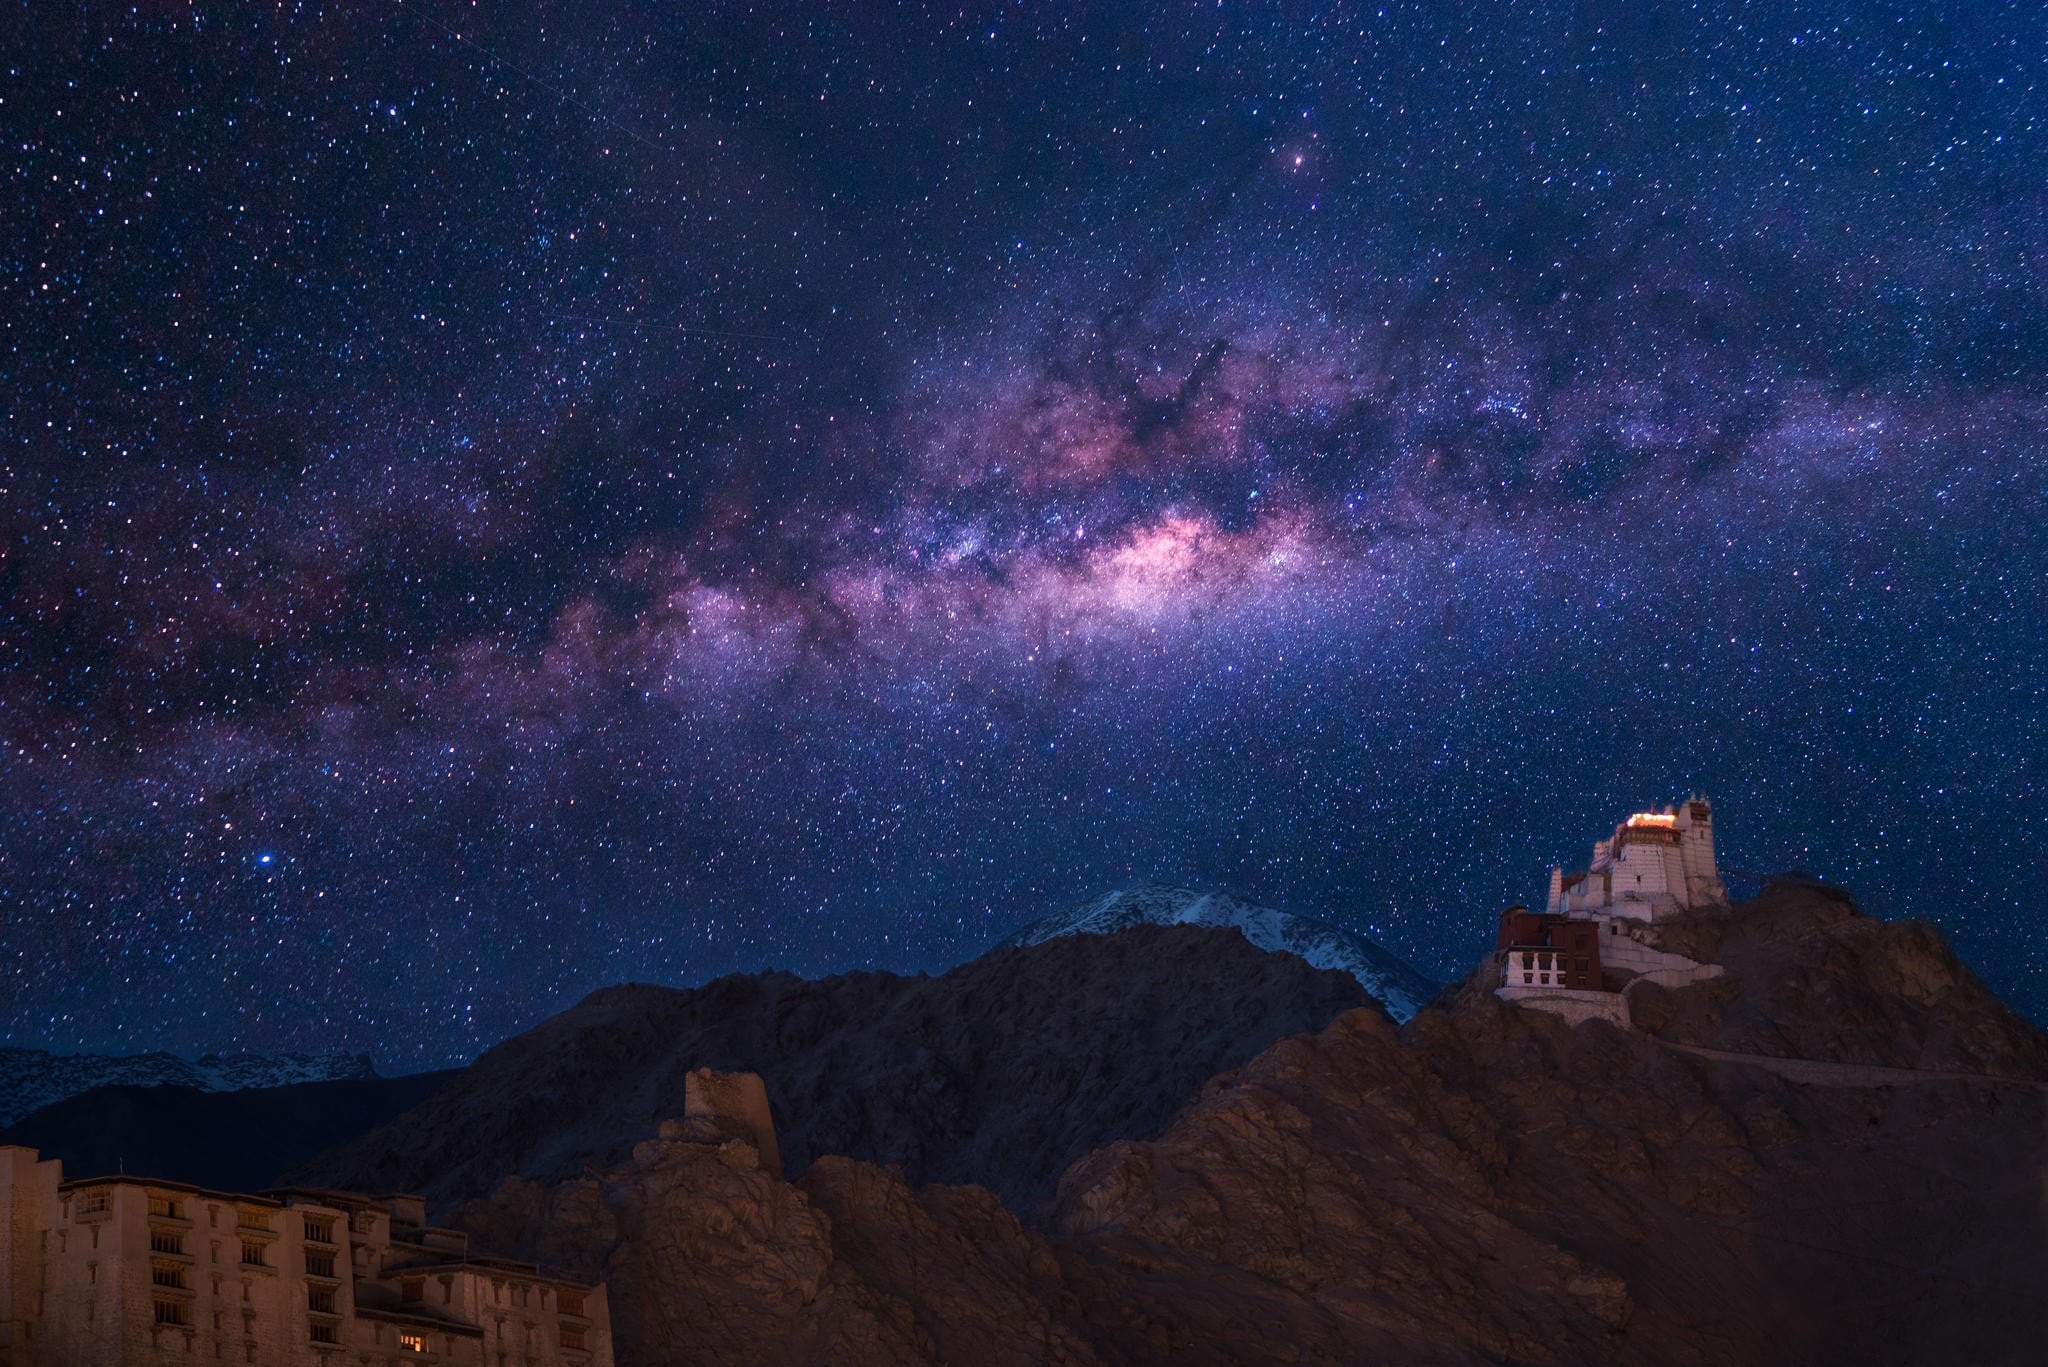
(31, 1079)
(231, 1141)
(1000, 1072)
(1486, 1185)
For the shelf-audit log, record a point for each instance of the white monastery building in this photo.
(1596, 937)
(1656, 863)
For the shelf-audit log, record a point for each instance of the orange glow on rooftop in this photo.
(1653, 819)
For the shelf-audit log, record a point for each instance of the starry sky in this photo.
(498, 500)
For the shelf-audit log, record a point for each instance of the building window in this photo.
(412, 1289)
(253, 1218)
(412, 1343)
(570, 1302)
(572, 1336)
(361, 1222)
(319, 1229)
(319, 1264)
(92, 1203)
(326, 1333)
(167, 1274)
(320, 1299)
(170, 1311)
(166, 1241)
(252, 1255)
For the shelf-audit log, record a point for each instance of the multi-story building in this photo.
(119, 1270)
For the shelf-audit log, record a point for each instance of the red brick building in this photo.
(1535, 950)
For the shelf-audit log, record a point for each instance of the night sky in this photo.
(498, 500)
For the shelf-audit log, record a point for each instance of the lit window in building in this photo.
(412, 1343)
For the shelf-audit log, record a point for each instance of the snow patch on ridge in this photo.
(1391, 982)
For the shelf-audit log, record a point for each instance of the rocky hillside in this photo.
(1000, 1072)
(1834, 1155)
(31, 1079)
(1388, 980)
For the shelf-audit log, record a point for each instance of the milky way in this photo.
(503, 501)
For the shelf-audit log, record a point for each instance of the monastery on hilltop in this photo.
(1596, 936)
(1655, 864)
(105, 1270)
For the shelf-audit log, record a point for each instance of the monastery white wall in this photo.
(1576, 1005)
(1621, 948)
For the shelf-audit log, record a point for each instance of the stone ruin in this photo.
(719, 1107)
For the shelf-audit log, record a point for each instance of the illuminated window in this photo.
(412, 1343)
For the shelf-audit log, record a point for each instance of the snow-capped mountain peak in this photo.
(1391, 982)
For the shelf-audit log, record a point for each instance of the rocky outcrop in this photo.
(1485, 1185)
(1000, 1072)
(1807, 977)
(710, 1258)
